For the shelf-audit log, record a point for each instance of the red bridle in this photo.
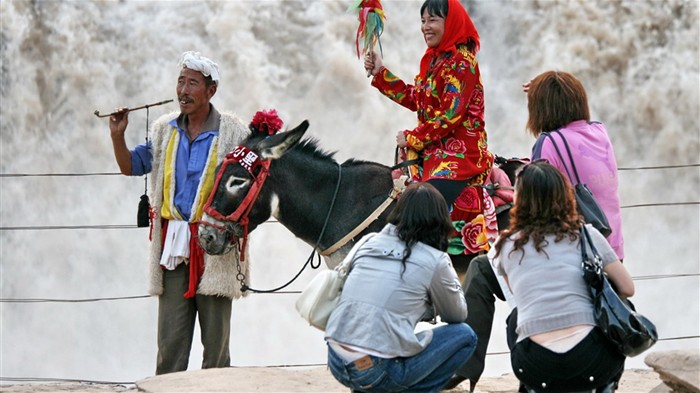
(250, 161)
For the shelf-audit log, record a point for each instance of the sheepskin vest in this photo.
(219, 277)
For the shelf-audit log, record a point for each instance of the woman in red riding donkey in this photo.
(450, 138)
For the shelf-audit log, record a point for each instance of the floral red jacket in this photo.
(450, 105)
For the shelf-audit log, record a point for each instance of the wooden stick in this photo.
(97, 113)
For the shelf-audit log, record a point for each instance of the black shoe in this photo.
(453, 382)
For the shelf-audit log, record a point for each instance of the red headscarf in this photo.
(459, 28)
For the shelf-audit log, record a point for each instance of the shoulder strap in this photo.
(571, 158)
(537, 149)
(586, 238)
(593, 266)
(560, 156)
(349, 259)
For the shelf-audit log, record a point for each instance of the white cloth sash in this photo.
(176, 247)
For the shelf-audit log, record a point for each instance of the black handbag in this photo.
(630, 332)
(586, 203)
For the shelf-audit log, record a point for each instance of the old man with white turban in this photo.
(195, 61)
(182, 155)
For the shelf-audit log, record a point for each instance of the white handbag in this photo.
(322, 294)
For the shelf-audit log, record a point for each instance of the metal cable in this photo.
(109, 227)
(48, 300)
(9, 175)
(271, 221)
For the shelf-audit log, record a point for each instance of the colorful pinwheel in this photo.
(371, 17)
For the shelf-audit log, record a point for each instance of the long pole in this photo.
(97, 113)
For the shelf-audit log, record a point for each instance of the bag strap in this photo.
(561, 158)
(586, 238)
(592, 267)
(571, 158)
(537, 149)
(346, 265)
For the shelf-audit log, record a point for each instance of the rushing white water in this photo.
(639, 61)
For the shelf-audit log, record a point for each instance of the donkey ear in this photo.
(276, 145)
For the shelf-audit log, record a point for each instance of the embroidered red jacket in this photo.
(450, 106)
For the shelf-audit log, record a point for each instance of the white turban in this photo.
(195, 61)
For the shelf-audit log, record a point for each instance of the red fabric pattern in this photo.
(451, 134)
(468, 204)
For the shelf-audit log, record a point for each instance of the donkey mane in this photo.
(355, 162)
(309, 146)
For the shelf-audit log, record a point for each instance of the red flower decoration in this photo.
(266, 122)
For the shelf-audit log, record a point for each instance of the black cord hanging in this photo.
(143, 213)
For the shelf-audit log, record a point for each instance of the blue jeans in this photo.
(427, 371)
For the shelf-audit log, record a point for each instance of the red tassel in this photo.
(196, 262)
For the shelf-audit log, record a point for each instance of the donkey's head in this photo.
(240, 201)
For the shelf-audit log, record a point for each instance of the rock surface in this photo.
(678, 369)
(288, 380)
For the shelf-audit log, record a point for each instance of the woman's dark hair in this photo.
(555, 99)
(421, 215)
(544, 204)
(435, 8)
(441, 8)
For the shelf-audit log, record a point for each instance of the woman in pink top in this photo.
(556, 100)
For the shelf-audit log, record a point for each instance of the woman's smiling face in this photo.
(433, 28)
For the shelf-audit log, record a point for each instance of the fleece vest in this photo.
(219, 277)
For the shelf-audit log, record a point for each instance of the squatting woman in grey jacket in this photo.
(399, 277)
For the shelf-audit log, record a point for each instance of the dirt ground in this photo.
(286, 380)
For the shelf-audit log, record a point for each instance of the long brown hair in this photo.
(555, 99)
(544, 205)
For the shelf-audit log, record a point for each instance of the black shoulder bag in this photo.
(630, 332)
(586, 203)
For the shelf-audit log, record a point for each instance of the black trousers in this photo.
(176, 320)
(593, 363)
(481, 289)
(450, 189)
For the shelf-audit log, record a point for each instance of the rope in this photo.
(659, 167)
(660, 276)
(660, 339)
(271, 292)
(105, 226)
(36, 379)
(9, 175)
(60, 174)
(111, 227)
(661, 204)
(38, 300)
(56, 227)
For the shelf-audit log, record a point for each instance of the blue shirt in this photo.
(189, 164)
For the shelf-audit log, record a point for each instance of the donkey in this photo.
(306, 190)
(319, 200)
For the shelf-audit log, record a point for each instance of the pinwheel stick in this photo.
(97, 113)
